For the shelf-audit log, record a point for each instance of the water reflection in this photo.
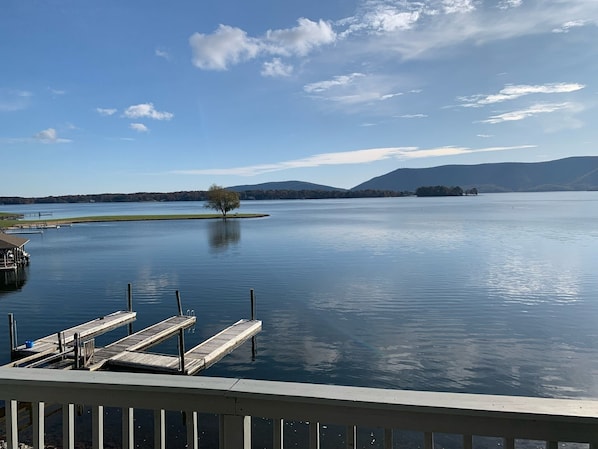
(10, 281)
(224, 233)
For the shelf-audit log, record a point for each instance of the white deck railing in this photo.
(237, 400)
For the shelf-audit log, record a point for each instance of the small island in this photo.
(444, 191)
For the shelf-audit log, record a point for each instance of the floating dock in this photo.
(74, 348)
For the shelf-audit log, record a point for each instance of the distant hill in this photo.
(573, 173)
(286, 185)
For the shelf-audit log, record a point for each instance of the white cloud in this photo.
(14, 100)
(355, 89)
(412, 116)
(435, 25)
(513, 91)
(565, 27)
(301, 39)
(530, 112)
(457, 6)
(229, 45)
(56, 92)
(106, 111)
(160, 52)
(484, 136)
(49, 136)
(139, 127)
(347, 157)
(341, 80)
(506, 4)
(147, 110)
(276, 68)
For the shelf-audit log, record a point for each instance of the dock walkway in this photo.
(196, 359)
(50, 344)
(146, 338)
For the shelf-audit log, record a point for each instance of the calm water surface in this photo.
(489, 294)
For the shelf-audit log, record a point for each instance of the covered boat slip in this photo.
(74, 348)
(12, 252)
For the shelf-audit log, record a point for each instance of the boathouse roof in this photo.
(11, 241)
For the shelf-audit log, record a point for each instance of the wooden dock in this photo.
(53, 344)
(74, 348)
(146, 338)
(196, 359)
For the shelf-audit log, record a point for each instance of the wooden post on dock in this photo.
(182, 351)
(181, 336)
(178, 301)
(130, 304)
(252, 295)
(11, 331)
(77, 348)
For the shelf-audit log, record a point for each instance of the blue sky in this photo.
(131, 95)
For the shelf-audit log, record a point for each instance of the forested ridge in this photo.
(200, 195)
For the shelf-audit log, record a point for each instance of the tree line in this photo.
(444, 191)
(200, 195)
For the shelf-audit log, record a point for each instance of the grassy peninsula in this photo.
(8, 220)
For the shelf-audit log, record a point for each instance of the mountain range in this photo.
(573, 173)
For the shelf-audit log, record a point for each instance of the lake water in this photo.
(489, 294)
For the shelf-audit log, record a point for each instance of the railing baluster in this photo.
(128, 432)
(97, 427)
(38, 424)
(510, 443)
(467, 441)
(314, 435)
(68, 426)
(552, 445)
(387, 438)
(351, 437)
(12, 430)
(235, 432)
(278, 425)
(428, 440)
(191, 425)
(159, 429)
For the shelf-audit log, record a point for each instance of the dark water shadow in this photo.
(10, 281)
(224, 233)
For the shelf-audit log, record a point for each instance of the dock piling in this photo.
(178, 300)
(253, 347)
(77, 351)
(182, 351)
(130, 305)
(11, 331)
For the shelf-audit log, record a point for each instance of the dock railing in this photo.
(236, 401)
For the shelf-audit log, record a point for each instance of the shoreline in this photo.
(54, 222)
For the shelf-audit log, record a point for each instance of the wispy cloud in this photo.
(408, 29)
(412, 116)
(147, 110)
(355, 88)
(162, 53)
(276, 68)
(14, 99)
(106, 111)
(565, 27)
(57, 92)
(347, 157)
(513, 91)
(506, 4)
(531, 112)
(49, 136)
(139, 127)
(229, 45)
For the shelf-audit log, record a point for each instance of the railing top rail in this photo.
(522, 417)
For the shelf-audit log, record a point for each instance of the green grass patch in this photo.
(5, 223)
